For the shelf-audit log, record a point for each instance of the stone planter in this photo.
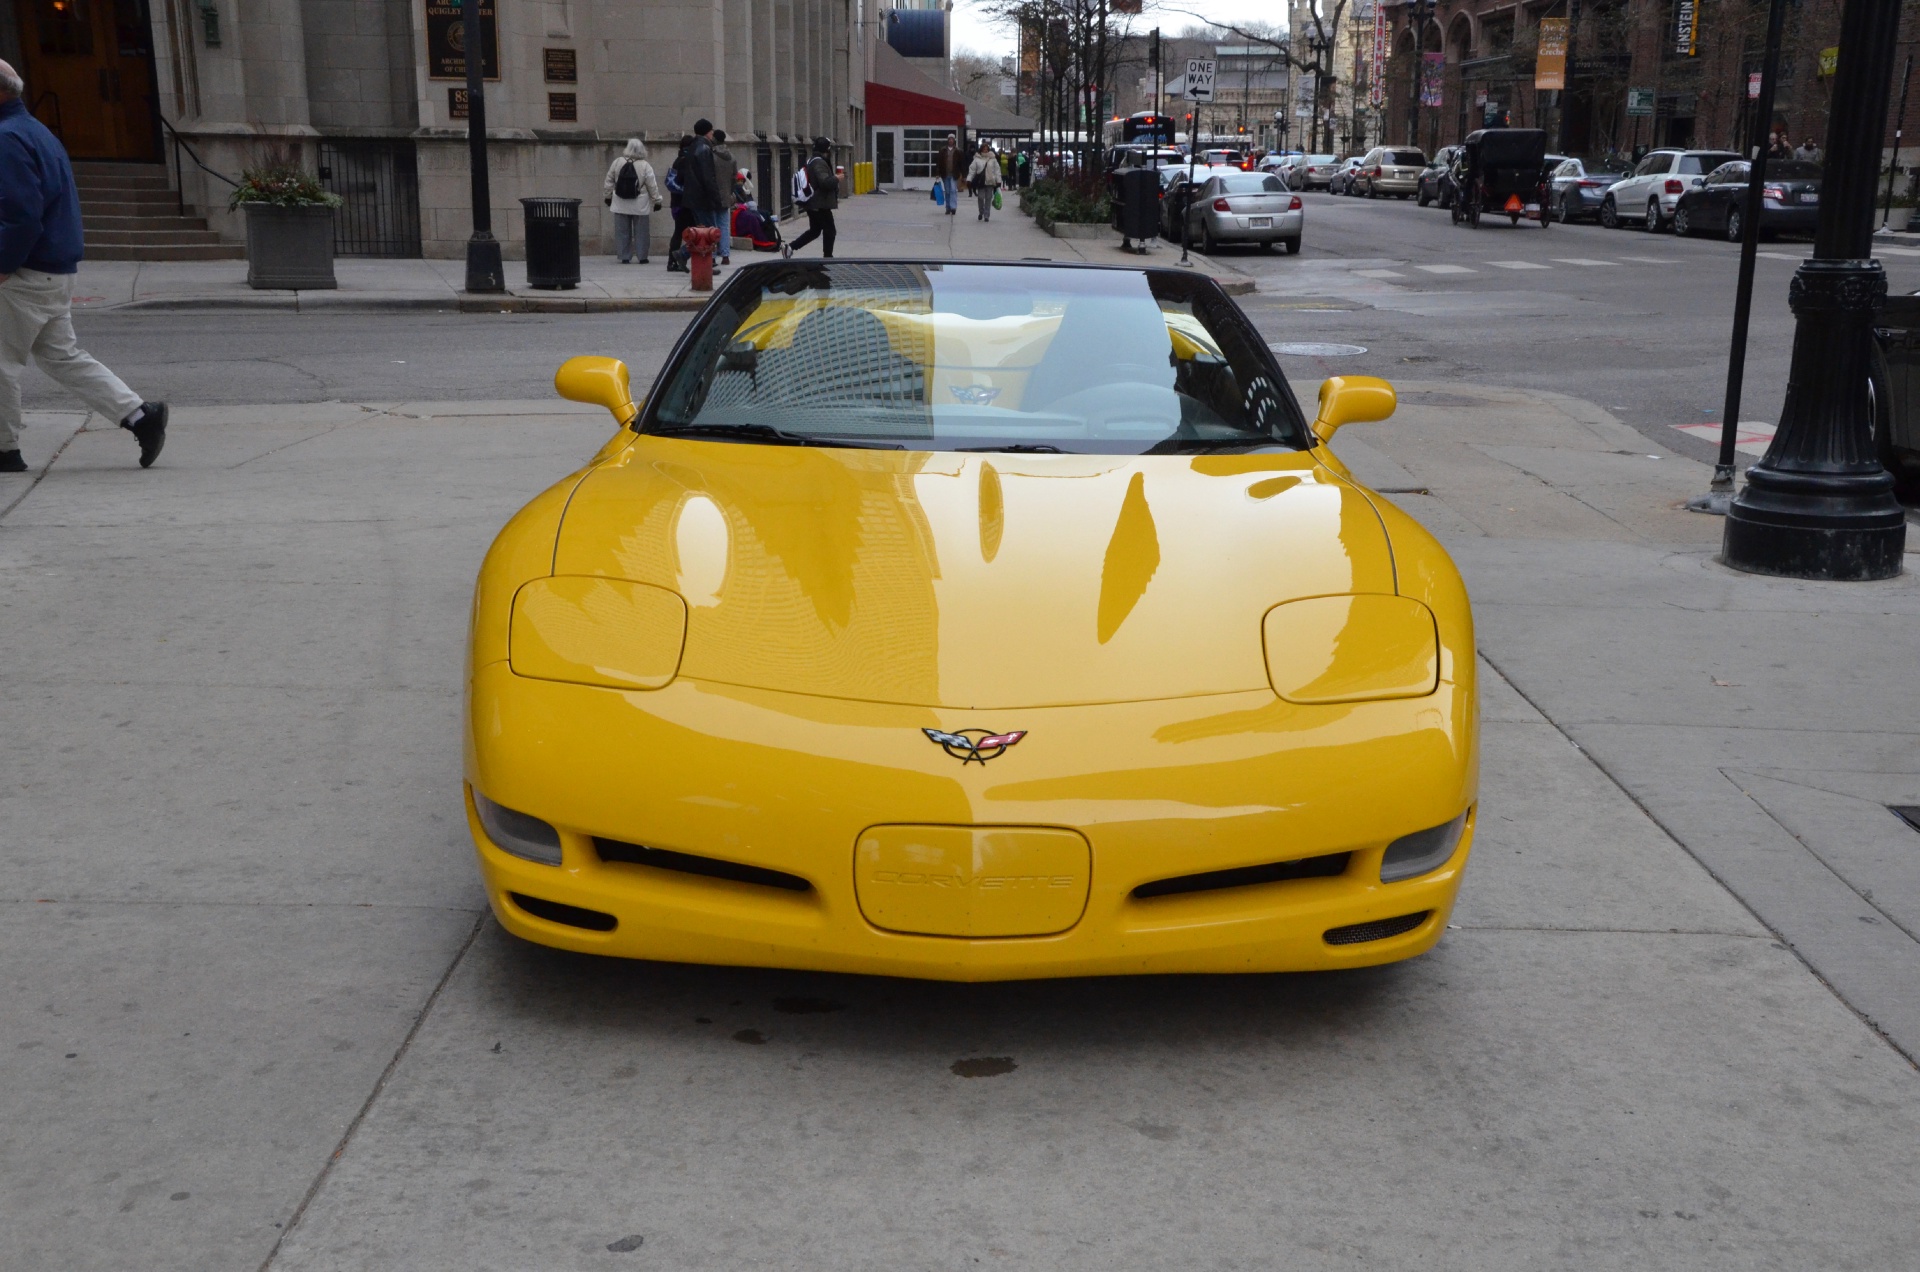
(1076, 229)
(290, 247)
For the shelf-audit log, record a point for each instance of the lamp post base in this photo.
(1850, 530)
(485, 273)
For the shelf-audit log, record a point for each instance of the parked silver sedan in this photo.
(1246, 207)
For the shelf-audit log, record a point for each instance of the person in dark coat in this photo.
(683, 221)
(40, 249)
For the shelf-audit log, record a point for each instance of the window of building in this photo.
(920, 148)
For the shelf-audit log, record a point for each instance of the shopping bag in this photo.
(996, 198)
(940, 193)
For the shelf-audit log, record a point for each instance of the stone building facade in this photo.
(363, 91)
(1694, 91)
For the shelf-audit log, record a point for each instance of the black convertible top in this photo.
(1508, 147)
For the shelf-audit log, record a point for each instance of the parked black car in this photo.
(1717, 202)
(1580, 185)
(1433, 187)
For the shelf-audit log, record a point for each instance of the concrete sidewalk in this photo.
(891, 226)
(256, 1017)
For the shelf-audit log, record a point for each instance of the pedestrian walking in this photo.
(1809, 151)
(1023, 170)
(725, 175)
(948, 165)
(816, 188)
(40, 249)
(632, 191)
(983, 178)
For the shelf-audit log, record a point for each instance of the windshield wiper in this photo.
(1016, 448)
(770, 435)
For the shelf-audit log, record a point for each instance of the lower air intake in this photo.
(687, 863)
(1378, 930)
(1246, 876)
(570, 915)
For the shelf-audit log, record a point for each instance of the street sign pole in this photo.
(1198, 88)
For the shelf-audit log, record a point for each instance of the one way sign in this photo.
(1200, 79)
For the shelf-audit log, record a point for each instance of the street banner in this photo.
(1433, 73)
(1687, 28)
(1199, 81)
(1639, 103)
(1753, 86)
(1829, 60)
(1550, 61)
(1377, 60)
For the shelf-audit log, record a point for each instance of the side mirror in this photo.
(1352, 399)
(600, 381)
(1698, 182)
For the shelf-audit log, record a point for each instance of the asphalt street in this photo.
(1635, 322)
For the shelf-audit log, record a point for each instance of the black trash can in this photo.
(553, 242)
(1895, 377)
(1139, 210)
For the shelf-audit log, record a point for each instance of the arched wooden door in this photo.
(89, 72)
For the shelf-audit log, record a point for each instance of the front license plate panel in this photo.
(972, 881)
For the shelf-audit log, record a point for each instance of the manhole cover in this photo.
(1313, 349)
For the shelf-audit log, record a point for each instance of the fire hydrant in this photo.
(700, 242)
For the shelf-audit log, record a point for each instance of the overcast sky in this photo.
(973, 32)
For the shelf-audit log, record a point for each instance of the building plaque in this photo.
(457, 103)
(563, 108)
(447, 40)
(563, 66)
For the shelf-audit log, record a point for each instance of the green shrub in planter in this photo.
(289, 227)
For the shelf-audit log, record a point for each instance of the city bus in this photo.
(1142, 129)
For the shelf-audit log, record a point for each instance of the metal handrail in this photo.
(59, 120)
(179, 174)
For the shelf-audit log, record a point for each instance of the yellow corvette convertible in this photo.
(971, 621)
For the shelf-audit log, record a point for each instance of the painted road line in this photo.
(1378, 273)
(1445, 269)
(1896, 251)
(1650, 260)
(1518, 265)
(1752, 437)
(1581, 260)
(1780, 256)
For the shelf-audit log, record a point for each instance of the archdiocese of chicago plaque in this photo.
(447, 40)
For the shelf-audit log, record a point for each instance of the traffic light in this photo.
(1153, 49)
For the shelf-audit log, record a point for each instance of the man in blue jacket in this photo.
(39, 255)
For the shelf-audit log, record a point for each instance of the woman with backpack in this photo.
(983, 178)
(632, 191)
(816, 189)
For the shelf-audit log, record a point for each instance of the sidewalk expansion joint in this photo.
(379, 1086)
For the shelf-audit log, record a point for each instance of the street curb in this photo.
(458, 303)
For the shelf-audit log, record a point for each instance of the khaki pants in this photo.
(36, 321)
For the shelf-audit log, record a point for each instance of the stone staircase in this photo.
(130, 213)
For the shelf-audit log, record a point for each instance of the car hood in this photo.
(973, 580)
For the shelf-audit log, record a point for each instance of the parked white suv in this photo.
(1648, 194)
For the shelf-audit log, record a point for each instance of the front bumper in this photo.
(789, 783)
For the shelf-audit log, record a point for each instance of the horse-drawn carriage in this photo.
(1501, 170)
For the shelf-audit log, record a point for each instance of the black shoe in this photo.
(150, 427)
(12, 462)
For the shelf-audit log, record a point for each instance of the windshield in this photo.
(976, 357)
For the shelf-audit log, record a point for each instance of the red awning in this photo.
(890, 107)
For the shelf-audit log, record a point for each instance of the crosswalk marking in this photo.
(1650, 260)
(1518, 265)
(1580, 260)
(1895, 251)
(1378, 273)
(1778, 256)
(1445, 269)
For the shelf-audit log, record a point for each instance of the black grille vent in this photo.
(1378, 930)
(571, 915)
(1246, 876)
(687, 863)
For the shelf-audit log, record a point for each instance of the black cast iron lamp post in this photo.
(484, 271)
(1419, 12)
(1819, 505)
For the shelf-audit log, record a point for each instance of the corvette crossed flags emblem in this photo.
(974, 746)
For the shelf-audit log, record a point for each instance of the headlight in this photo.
(1421, 852)
(588, 630)
(1362, 648)
(518, 833)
